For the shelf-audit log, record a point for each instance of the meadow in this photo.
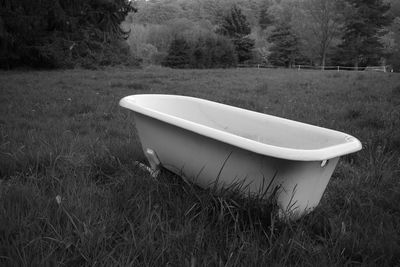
(71, 194)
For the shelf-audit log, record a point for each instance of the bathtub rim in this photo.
(350, 144)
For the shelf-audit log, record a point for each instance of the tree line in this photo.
(281, 33)
(199, 34)
(225, 47)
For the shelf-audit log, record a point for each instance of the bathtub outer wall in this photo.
(201, 159)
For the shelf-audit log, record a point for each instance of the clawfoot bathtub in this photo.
(206, 142)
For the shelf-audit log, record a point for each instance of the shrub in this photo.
(178, 54)
(158, 58)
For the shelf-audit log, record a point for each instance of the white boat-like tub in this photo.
(205, 142)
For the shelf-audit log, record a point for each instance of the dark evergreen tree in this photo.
(285, 46)
(178, 54)
(244, 48)
(224, 55)
(201, 56)
(55, 33)
(235, 23)
(236, 27)
(213, 52)
(360, 43)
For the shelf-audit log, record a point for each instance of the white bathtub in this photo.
(206, 142)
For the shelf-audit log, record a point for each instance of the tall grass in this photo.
(71, 193)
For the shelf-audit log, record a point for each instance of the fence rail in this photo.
(322, 68)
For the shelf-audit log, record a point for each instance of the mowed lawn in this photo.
(70, 193)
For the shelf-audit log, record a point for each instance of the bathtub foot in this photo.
(153, 173)
(153, 159)
(155, 164)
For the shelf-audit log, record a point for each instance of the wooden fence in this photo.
(335, 68)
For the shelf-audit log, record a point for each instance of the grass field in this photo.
(70, 193)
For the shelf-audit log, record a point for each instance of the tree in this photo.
(265, 20)
(54, 33)
(285, 46)
(157, 12)
(213, 51)
(394, 58)
(236, 27)
(224, 53)
(244, 48)
(360, 42)
(394, 8)
(178, 54)
(282, 10)
(210, 10)
(321, 21)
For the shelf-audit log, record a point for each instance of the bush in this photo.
(158, 58)
(178, 54)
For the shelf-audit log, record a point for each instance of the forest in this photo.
(199, 33)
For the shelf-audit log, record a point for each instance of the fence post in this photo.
(338, 68)
(299, 67)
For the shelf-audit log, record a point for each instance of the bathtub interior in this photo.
(251, 125)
